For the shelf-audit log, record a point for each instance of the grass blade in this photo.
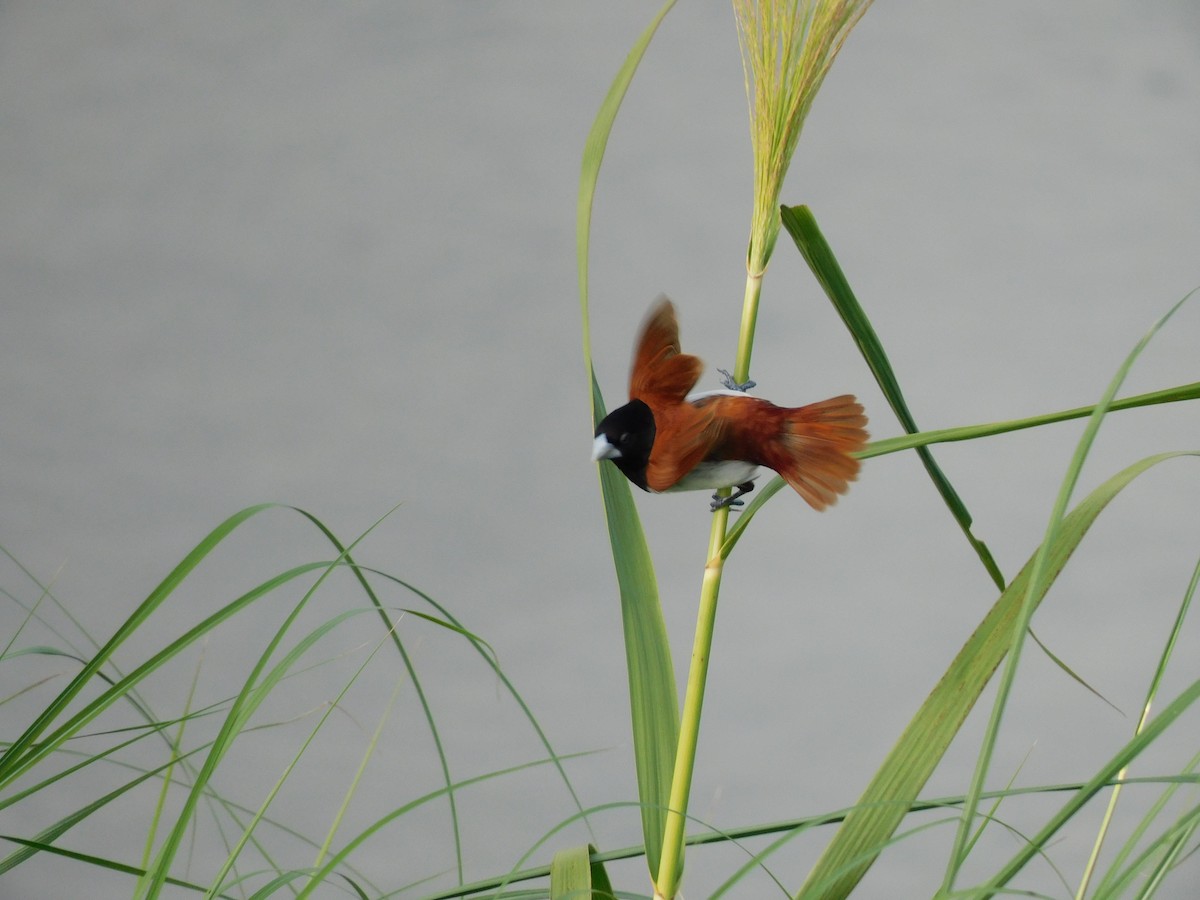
(653, 700)
(1041, 575)
(910, 763)
(961, 433)
(802, 226)
(1097, 783)
(1151, 695)
(418, 687)
(18, 754)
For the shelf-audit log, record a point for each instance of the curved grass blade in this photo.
(1102, 779)
(121, 688)
(961, 433)
(253, 692)
(261, 691)
(16, 757)
(802, 226)
(593, 156)
(920, 748)
(653, 700)
(485, 650)
(53, 832)
(1040, 574)
(338, 858)
(430, 720)
(1157, 858)
(971, 432)
(100, 862)
(1151, 696)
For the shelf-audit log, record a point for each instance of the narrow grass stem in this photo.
(670, 867)
(741, 368)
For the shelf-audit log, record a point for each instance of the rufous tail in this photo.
(816, 445)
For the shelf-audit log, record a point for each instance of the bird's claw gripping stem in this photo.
(729, 383)
(733, 501)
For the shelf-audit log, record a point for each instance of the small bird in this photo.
(665, 439)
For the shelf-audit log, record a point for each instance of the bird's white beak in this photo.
(602, 449)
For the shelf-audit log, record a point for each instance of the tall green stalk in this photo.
(787, 48)
(670, 869)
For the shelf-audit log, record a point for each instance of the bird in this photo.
(669, 439)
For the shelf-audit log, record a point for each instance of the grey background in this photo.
(324, 256)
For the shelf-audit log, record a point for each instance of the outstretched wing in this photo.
(662, 373)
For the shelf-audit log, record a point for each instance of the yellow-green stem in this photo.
(741, 368)
(670, 866)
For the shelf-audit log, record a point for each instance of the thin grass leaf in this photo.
(802, 226)
(1151, 694)
(30, 615)
(653, 701)
(1169, 851)
(119, 689)
(1040, 574)
(260, 693)
(430, 720)
(56, 830)
(368, 753)
(960, 433)
(1112, 883)
(100, 862)
(1104, 777)
(575, 875)
(1126, 868)
(375, 827)
(923, 743)
(175, 746)
(593, 156)
(971, 432)
(251, 695)
(15, 757)
(489, 656)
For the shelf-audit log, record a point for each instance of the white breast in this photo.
(708, 476)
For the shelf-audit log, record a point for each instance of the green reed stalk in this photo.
(787, 49)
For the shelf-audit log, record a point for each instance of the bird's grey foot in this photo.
(729, 383)
(733, 501)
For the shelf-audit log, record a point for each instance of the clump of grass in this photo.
(101, 729)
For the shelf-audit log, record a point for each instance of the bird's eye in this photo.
(624, 438)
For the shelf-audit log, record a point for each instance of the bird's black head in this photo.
(626, 436)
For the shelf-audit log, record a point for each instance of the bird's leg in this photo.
(732, 500)
(728, 382)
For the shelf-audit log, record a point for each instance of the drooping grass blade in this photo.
(802, 226)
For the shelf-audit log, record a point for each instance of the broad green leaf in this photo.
(653, 701)
(802, 226)
(910, 763)
(575, 876)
